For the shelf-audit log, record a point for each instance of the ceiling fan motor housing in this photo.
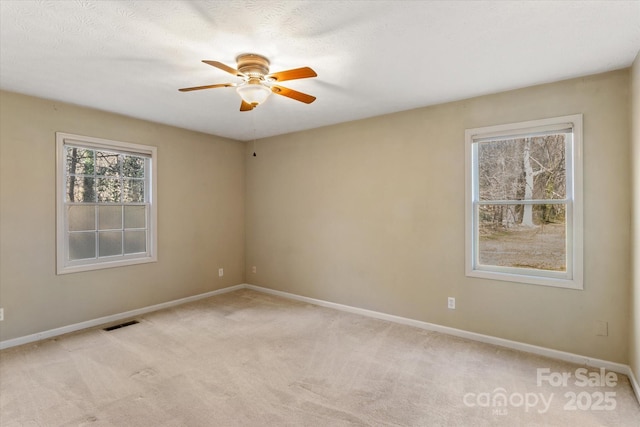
(253, 65)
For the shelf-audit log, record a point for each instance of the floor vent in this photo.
(121, 325)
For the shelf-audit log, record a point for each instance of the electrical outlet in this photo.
(254, 269)
(451, 303)
(601, 328)
(220, 272)
(1, 314)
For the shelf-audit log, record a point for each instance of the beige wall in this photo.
(371, 214)
(200, 215)
(634, 335)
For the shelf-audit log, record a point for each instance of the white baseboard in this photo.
(542, 351)
(109, 319)
(634, 383)
(516, 345)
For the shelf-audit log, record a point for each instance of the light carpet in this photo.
(251, 359)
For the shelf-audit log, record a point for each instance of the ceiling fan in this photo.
(257, 84)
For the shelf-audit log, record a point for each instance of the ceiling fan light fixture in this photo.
(254, 94)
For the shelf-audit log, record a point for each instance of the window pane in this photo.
(133, 167)
(107, 164)
(110, 243)
(504, 241)
(135, 241)
(79, 161)
(82, 245)
(522, 169)
(133, 191)
(135, 217)
(80, 189)
(110, 217)
(108, 190)
(82, 218)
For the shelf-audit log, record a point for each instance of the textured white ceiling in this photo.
(372, 57)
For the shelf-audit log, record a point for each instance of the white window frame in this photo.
(573, 278)
(64, 265)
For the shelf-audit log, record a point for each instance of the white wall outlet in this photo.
(451, 303)
(601, 328)
(220, 272)
(1, 314)
(254, 269)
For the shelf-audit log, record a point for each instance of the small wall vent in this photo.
(121, 325)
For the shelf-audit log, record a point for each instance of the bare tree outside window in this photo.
(103, 189)
(526, 225)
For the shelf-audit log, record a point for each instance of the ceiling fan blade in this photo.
(187, 89)
(298, 73)
(224, 67)
(245, 106)
(293, 94)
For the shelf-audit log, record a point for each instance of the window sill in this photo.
(575, 284)
(103, 265)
